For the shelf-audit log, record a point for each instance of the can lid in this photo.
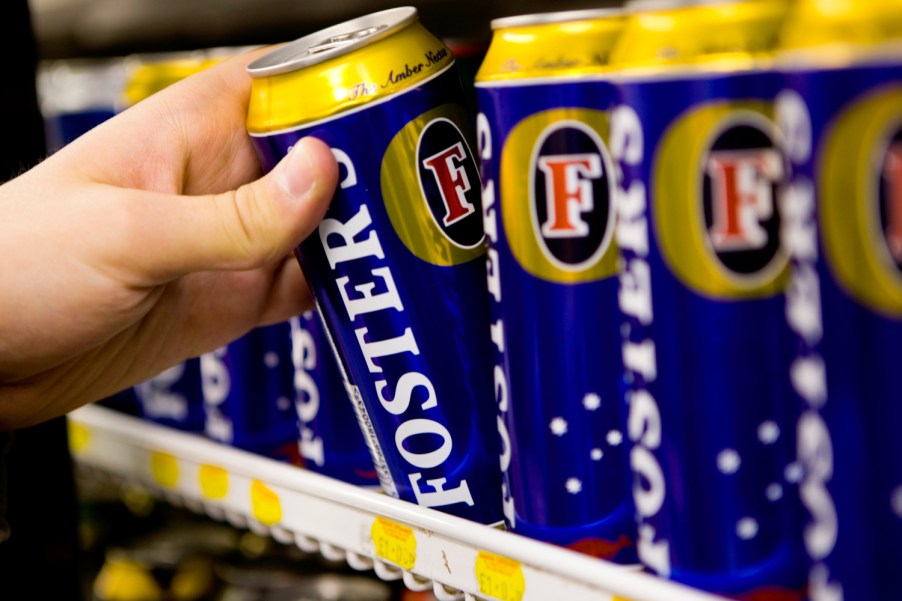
(332, 42)
(642, 6)
(554, 17)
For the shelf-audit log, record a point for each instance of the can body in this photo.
(552, 263)
(329, 444)
(706, 349)
(78, 95)
(397, 272)
(248, 390)
(842, 124)
(174, 397)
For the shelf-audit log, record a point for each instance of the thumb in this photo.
(252, 226)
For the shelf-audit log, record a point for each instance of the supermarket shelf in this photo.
(427, 549)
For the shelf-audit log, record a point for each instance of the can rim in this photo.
(303, 52)
(563, 16)
(641, 6)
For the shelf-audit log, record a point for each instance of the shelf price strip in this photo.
(394, 542)
(214, 482)
(165, 469)
(500, 577)
(265, 504)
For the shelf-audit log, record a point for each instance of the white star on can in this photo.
(591, 401)
(728, 461)
(558, 426)
(574, 486)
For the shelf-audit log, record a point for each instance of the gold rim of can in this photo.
(564, 16)
(351, 64)
(550, 45)
(703, 35)
(839, 31)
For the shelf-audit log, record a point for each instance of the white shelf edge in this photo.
(339, 517)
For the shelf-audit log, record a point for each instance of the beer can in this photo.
(841, 118)
(151, 73)
(76, 95)
(396, 265)
(548, 203)
(711, 411)
(248, 391)
(174, 397)
(327, 444)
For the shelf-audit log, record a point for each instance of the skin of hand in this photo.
(151, 239)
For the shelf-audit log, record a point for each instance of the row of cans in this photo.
(658, 277)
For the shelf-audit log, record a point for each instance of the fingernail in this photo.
(296, 173)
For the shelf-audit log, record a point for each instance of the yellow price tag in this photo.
(266, 504)
(394, 542)
(214, 482)
(164, 468)
(79, 437)
(500, 577)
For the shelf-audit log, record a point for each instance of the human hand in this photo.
(143, 243)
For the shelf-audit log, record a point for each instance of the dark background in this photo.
(92, 28)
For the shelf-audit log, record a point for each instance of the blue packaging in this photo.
(248, 391)
(552, 265)
(403, 298)
(329, 444)
(843, 131)
(174, 397)
(712, 414)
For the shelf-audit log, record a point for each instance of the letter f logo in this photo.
(447, 167)
(568, 193)
(742, 196)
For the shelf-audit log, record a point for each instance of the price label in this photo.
(79, 437)
(395, 543)
(265, 503)
(500, 577)
(214, 482)
(164, 468)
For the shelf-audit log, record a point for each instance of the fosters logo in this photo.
(446, 227)
(716, 179)
(557, 195)
(860, 187)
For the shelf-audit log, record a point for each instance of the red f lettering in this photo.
(453, 183)
(892, 171)
(742, 197)
(568, 193)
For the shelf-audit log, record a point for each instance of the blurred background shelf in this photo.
(90, 28)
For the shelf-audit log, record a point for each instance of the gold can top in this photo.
(837, 30)
(150, 74)
(711, 34)
(570, 43)
(341, 68)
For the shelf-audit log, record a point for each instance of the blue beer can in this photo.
(706, 348)
(77, 95)
(397, 264)
(174, 397)
(328, 444)
(841, 117)
(248, 392)
(548, 206)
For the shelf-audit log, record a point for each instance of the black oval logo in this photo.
(450, 182)
(890, 199)
(572, 208)
(742, 174)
